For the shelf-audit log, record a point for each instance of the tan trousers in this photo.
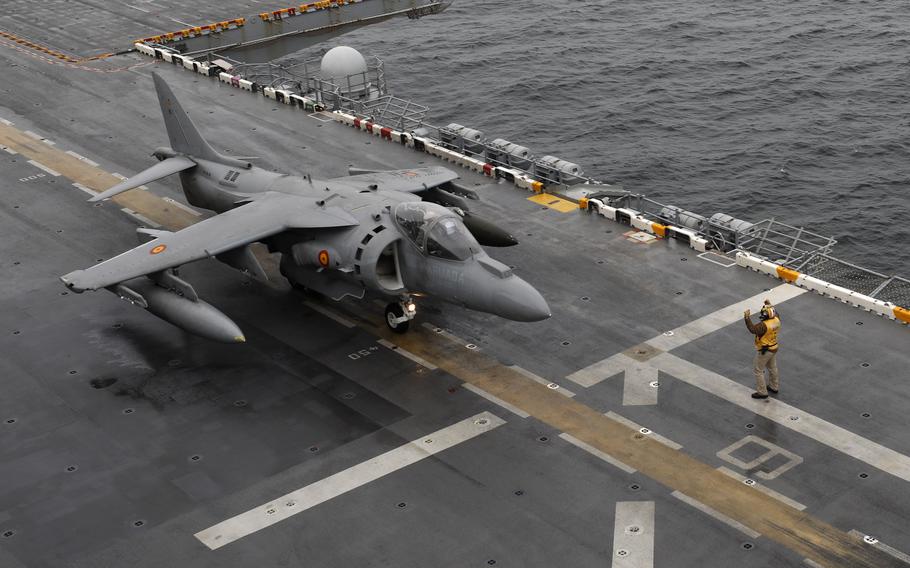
(767, 360)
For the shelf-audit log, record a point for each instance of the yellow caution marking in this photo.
(902, 314)
(787, 274)
(198, 31)
(804, 534)
(51, 52)
(553, 202)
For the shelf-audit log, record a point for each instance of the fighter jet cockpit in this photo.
(437, 231)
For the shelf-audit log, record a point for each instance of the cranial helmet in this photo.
(767, 311)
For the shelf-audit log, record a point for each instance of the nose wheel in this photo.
(398, 315)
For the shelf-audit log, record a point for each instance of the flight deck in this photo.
(620, 432)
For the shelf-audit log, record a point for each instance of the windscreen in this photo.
(436, 231)
(449, 238)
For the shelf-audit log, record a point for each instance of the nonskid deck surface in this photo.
(82, 28)
(125, 441)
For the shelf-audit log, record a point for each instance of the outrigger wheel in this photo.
(398, 315)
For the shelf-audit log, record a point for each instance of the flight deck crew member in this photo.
(765, 333)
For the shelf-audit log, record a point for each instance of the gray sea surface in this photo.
(797, 110)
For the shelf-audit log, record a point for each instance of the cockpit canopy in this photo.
(436, 230)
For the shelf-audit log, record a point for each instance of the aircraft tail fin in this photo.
(182, 133)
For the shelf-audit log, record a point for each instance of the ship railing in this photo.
(788, 245)
(350, 95)
(483, 150)
(362, 94)
(400, 114)
(894, 289)
(793, 247)
(307, 74)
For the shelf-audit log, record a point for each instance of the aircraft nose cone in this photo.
(521, 302)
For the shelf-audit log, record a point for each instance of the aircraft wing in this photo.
(267, 215)
(407, 181)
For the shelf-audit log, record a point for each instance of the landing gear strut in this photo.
(398, 315)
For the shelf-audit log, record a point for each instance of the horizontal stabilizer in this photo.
(162, 169)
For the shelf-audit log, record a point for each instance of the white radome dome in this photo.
(341, 61)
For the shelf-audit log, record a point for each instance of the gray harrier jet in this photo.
(397, 234)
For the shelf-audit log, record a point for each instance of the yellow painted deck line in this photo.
(794, 529)
(554, 202)
(78, 171)
(797, 530)
(50, 51)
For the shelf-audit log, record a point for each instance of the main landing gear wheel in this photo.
(395, 318)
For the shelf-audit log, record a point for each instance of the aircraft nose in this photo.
(519, 301)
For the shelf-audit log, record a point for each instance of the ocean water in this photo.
(797, 110)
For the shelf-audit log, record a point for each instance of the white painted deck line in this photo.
(450, 336)
(637, 389)
(6, 122)
(831, 435)
(10, 151)
(601, 370)
(647, 431)
(81, 187)
(82, 158)
(41, 166)
(723, 317)
(725, 261)
(538, 379)
(347, 480)
(330, 314)
(716, 514)
(408, 355)
(605, 368)
(179, 205)
(141, 218)
(39, 138)
(497, 401)
(891, 551)
(633, 535)
(766, 490)
(598, 453)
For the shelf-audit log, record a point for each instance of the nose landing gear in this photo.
(398, 315)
